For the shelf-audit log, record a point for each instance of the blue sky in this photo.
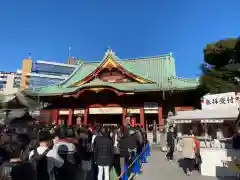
(132, 28)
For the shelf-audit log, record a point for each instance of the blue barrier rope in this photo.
(135, 159)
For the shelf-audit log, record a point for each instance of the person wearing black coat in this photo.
(236, 140)
(103, 154)
(15, 168)
(170, 143)
(128, 143)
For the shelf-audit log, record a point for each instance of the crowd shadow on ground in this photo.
(182, 164)
(196, 169)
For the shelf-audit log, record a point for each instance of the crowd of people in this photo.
(65, 152)
(190, 147)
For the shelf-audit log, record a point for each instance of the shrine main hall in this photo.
(119, 91)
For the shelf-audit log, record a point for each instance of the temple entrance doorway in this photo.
(105, 119)
(150, 121)
(63, 120)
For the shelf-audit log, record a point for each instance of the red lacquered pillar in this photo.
(85, 120)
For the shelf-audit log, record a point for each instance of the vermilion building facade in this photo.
(119, 91)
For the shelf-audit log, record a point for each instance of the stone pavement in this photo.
(158, 168)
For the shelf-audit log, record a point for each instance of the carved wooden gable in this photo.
(114, 75)
(110, 70)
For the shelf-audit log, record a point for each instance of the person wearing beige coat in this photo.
(188, 152)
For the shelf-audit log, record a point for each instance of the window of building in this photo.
(53, 69)
(42, 81)
(2, 84)
(17, 81)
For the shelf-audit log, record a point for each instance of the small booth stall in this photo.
(206, 123)
(214, 122)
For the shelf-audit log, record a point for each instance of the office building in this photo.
(8, 81)
(41, 73)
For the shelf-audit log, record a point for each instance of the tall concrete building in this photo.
(9, 80)
(8, 87)
(41, 73)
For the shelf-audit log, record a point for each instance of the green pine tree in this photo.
(221, 67)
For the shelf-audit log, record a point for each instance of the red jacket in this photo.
(197, 143)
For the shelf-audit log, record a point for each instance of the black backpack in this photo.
(69, 168)
(40, 163)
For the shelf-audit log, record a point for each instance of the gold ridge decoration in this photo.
(141, 80)
(111, 62)
(79, 83)
(97, 90)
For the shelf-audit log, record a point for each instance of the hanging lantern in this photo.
(132, 121)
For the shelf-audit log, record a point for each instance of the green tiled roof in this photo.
(49, 90)
(58, 90)
(158, 69)
(178, 83)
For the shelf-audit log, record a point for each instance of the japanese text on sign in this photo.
(222, 100)
(216, 101)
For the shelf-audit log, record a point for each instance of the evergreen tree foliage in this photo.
(221, 66)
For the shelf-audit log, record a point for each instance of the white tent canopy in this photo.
(205, 116)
